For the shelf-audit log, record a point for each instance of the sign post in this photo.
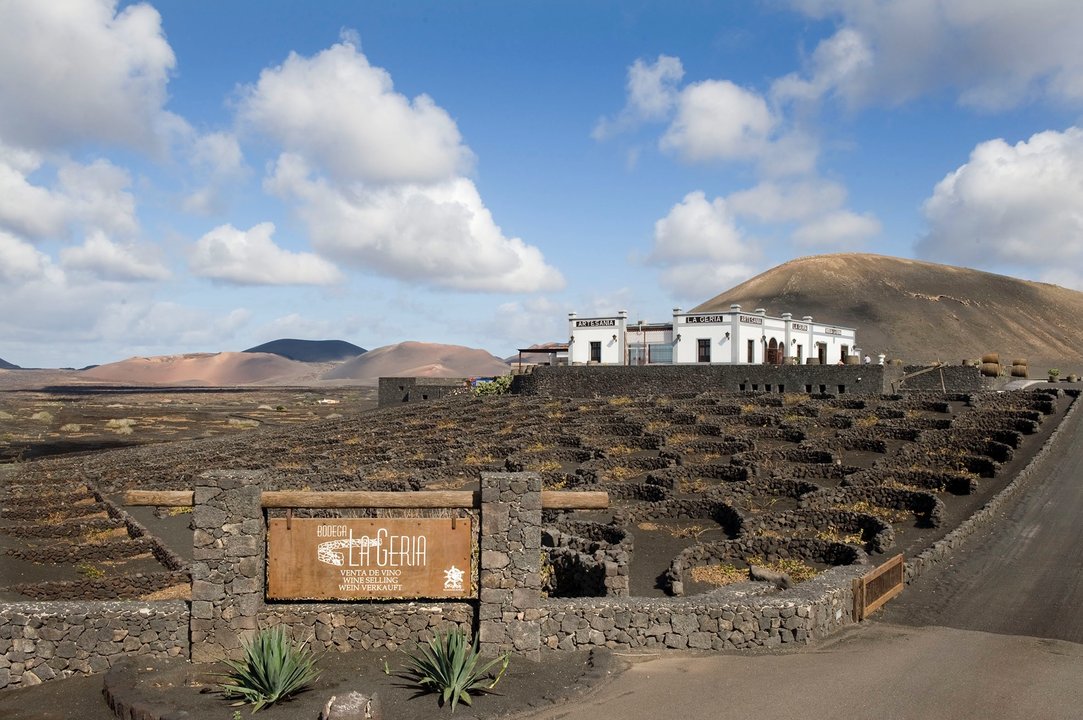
(362, 559)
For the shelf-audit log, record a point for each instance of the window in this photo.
(703, 354)
(659, 353)
(751, 351)
(596, 351)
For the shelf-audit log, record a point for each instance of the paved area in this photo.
(994, 633)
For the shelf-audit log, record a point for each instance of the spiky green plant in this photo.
(273, 669)
(449, 666)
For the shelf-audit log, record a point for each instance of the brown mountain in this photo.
(417, 359)
(922, 312)
(227, 368)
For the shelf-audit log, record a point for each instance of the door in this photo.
(773, 354)
(821, 352)
(751, 352)
(845, 352)
(596, 351)
(703, 350)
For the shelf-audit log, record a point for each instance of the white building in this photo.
(733, 337)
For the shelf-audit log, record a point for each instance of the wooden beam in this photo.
(571, 500)
(168, 498)
(371, 499)
(551, 499)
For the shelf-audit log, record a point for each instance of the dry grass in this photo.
(89, 571)
(833, 534)
(242, 423)
(680, 438)
(42, 416)
(890, 515)
(121, 426)
(690, 531)
(697, 485)
(656, 425)
(649, 526)
(619, 450)
(718, 575)
(101, 536)
(748, 408)
(867, 421)
(621, 473)
(174, 592)
(620, 400)
(544, 466)
(794, 399)
(71, 427)
(798, 570)
(478, 459)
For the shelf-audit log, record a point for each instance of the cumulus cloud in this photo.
(652, 92)
(86, 73)
(108, 260)
(21, 262)
(837, 64)
(838, 229)
(344, 114)
(218, 162)
(250, 257)
(1011, 205)
(699, 245)
(378, 178)
(94, 196)
(718, 120)
(441, 234)
(786, 202)
(992, 54)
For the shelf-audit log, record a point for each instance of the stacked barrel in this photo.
(990, 365)
(1019, 368)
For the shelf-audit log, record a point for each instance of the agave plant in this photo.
(273, 669)
(450, 667)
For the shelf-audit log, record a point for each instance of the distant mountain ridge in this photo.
(5, 365)
(310, 350)
(919, 311)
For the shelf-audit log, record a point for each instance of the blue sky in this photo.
(182, 176)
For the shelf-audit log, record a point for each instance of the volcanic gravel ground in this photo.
(924, 461)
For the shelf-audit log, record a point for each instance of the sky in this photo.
(197, 176)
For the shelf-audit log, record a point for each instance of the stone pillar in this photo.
(508, 615)
(227, 562)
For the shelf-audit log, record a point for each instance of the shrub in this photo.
(273, 669)
(496, 386)
(450, 667)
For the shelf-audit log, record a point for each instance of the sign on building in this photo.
(357, 559)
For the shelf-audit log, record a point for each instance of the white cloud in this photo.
(652, 92)
(774, 202)
(108, 260)
(21, 262)
(218, 163)
(693, 282)
(78, 71)
(442, 235)
(94, 196)
(522, 323)
(1011, 204)
(295, 325)
(838, 229)
(250, 257)
(700, 248)
(344, 114)
(994, 54)
(697, 228)
(837, 63)
(718, 120)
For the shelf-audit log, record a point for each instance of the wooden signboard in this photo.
(357, 559)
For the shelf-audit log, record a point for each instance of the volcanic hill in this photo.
(309, 350)
(922, 312)
(227, 368)
(5, 365)
(417, 359)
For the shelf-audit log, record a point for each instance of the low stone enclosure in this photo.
(695, 480)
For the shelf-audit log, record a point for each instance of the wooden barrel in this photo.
(990, 369)
(812, 361)
(991, 359)
(853, 359)
(1019, 371)
(1022, 362)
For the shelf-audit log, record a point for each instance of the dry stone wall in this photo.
(53, 640)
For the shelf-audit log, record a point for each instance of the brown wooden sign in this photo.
(352, 559)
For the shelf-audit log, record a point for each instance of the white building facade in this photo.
(733, 338)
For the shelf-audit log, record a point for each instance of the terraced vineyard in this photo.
(701, 485)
